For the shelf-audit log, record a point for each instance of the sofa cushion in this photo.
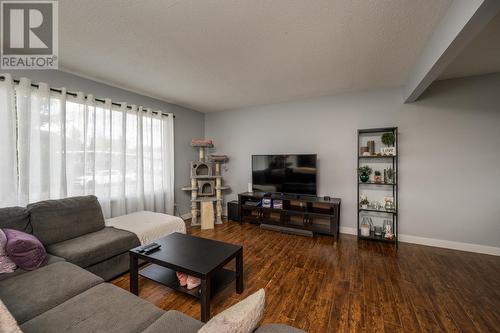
(15, 218)
(104, 308)
(55, 221)
(50, 260)
(112, 267)
(35, 292)
(95, 247)
(25, 250)
(174, 322)
(243, 317)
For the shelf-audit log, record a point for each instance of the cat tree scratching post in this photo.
(206, 181)
(201, 153)
(218, 159)
(218, 193)
(194, 208)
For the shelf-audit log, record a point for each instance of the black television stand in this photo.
(300, 214)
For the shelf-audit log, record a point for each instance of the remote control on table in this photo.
(153, 249)
(148, 247)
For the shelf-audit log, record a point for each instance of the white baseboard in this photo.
(495, 251)
(477, 248)
(348, 231)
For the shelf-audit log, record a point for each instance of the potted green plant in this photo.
(388, 139)
(364, 173)
(378, 177)
(364, 201)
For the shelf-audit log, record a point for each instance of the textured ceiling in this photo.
(481, 56)
(213, 55)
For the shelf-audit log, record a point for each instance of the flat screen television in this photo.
(286, 173)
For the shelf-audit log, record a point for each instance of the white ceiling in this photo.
(481, 56)
(213, 55)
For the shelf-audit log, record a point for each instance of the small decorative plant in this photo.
(390, 175)
(388, 139)
(364, 173)
(364, 201)
(378, 176)
(365, 170)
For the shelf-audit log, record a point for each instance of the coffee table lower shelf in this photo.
(168, 278)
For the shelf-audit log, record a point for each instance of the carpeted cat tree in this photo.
(206, 183)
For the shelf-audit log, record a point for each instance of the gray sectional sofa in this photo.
(64, 297)
(74, 229)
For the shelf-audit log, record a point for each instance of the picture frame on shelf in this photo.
(388, 151)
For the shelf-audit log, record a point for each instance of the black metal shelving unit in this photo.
(393, 187)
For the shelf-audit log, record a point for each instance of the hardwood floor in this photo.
(320, 285)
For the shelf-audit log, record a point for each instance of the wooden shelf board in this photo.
(168, 278)
(205, 199)
(377, 238)
(377, 130)
(289, 211)
(376, 156)
(203, 145)
(378, 211)
(201, 177)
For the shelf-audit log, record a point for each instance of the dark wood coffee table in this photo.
(199, 257)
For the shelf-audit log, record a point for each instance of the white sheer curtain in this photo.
(55, 146)
(8, 134)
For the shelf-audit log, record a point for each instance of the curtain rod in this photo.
(2, 78)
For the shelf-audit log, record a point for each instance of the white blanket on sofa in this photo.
(148, 226)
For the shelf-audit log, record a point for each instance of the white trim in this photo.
(469, 247)
(476, 248)
(348, 231)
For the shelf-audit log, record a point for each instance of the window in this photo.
(58, 146)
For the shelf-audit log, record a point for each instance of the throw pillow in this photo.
(7, 323)
(6, 264)
(243, 317)
(25, 250)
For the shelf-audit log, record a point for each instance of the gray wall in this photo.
(449, 151)
(188, 123)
